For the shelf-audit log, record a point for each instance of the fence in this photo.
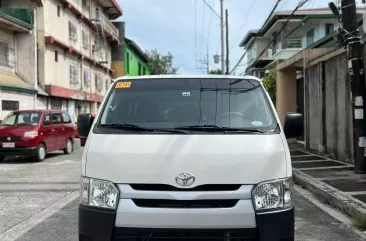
(329, 115)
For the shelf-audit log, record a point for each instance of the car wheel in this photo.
(69, 147)
(2, 158)
(41, 153)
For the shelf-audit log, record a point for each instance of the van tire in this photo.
(41, 153)
(69, 147)
(2, 158)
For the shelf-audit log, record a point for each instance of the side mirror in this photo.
(294, 125)
(85, 122)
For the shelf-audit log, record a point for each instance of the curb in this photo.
(347, 204)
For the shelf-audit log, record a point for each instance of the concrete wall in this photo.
(329, 128)
(25, 101)
(26, 66)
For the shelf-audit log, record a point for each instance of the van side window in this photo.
(56, 118)
(47, 120)
(66, 117)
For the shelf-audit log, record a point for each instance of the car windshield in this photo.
(184, 103)
(22, 118)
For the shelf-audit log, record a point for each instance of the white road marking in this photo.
(23, 227)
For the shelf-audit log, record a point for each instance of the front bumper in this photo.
(100, 225)
(18, 151)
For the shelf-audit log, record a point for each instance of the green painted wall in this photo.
(132, 60)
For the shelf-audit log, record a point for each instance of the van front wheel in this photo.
(41, 153)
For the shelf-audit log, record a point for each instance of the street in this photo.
(39, 201)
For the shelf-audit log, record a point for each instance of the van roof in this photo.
(38, 110)
(188, 77)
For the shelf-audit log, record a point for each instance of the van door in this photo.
(57, 127)
(68, 127)
(47, 132)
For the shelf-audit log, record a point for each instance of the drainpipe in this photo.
(34, 31)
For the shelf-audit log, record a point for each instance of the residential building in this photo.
(305, 29)
(75, 38)
(136, 61)
(18, 70)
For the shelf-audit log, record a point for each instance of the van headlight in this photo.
(277, 194)
(98, 193)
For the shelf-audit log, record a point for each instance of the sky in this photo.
(189, 29)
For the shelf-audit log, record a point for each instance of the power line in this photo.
(301, 3)
(244, 54)
(213, 10)
(243, 24)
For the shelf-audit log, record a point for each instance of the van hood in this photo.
(212, 159)
(15, 130)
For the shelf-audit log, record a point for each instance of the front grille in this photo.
(201, 188)
(135, 234)
(159, 203)
(12, 138)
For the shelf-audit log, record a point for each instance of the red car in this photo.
(34, 133)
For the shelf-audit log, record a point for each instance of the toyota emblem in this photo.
(185, 179)
(9, 139)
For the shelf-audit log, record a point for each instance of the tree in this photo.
(270, 82)
(161, 64)
(216, 71)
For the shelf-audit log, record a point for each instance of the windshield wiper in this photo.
(216, 128)
(134, 127)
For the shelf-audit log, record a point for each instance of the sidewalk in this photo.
(333, 182)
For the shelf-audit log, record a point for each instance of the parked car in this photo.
(34, 133)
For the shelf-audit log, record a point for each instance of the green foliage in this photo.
(216, 71)
(161, 64)
(270, 82)
(361, 222)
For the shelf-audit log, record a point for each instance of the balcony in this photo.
(102, 22)
(22, 14)
(293, 46)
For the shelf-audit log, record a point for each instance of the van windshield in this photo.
(175, 103)
(22, 118)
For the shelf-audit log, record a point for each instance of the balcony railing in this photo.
(105, 23)
(22, 14)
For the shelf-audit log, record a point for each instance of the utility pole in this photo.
(222, 37)
(357, 79)
(227, 42)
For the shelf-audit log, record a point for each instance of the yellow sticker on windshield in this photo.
(123, 85)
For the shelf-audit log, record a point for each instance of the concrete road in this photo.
(38, 202)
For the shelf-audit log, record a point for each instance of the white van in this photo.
(187, 158)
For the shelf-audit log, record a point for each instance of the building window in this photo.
(106, 84)
(73, 35)
(144, 71)
(98, 83)
(86, 78)
(56, 56)
(58, 11)
(329, 28)
(9, 105)
(86, 4)
(310, 37)
(139, 73)
(73, 75)
(128, 63)
(4, 54)
(56, 104)
(85, 36)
